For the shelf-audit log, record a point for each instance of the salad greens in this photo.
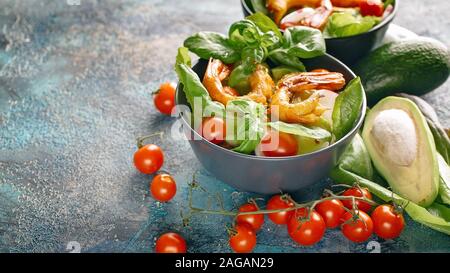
(193, 87)
(300, 130)
(343, 24)
(347, 108)
(355, 166)
(211, 44)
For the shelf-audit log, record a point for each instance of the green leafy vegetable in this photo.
(282, 58)
(444, 183)
(300, 130)
(249, 118)
(347, 108)
(264, 23)
(353, 167)
(211, 44)
(343, 24)
(239, 77)
(196, 93)
(259, 6)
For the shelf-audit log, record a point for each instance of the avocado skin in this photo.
(412, 66)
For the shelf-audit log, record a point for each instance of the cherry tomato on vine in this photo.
(213, 129)
(358, 192)
(331, 212)
(170, 242)
(163, 187)
(164, 99)
(254, 220)
(149, 158)
(371, 8)
(277, 144)
(387, 223)
(242, 238)
(357, 229)
(279, 202)
(306, 231)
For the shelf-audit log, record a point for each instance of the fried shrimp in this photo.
(261, 83)
(296, 99)
(315, 18)
(279, 8)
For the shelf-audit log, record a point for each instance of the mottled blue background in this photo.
(75, 83)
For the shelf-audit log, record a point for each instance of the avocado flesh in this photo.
(402, 149)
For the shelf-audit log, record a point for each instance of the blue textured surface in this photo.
(75, 83)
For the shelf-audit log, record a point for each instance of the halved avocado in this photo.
(402, 149)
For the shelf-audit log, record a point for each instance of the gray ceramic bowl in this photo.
(349, 49)
(269, 175)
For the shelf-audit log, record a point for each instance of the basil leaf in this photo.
(239, 77)
(259, 6)
(264, 23)
(196, 93)
(300, 130)
(343, 24)
(249, 115)
(244, 33)
(304, 42)
(444, 182)
(211, 44)
(347, 108)
(351, 168)
(282, 58)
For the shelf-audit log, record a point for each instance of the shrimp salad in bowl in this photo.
(255, 96)
(336, 18)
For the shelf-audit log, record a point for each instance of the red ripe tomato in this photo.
(213, 129)
(303, 231)
(357, 230)
(279, 202)
(149, 158)
(358, 192)
(277, 144)
(371, 8)
(243, 238)
(163, 187)
(387, 223)
(164, 99)
(331, 212)
(170, 242)
(254, 220)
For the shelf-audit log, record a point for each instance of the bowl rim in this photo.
(384, 22)
(330, 147)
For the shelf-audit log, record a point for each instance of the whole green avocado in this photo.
(414, 66)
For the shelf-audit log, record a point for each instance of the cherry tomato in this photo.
(358, 192)
(276, 144)
(164, 99)
(357, 230)
(387, 223)
(303, 231)
(279, 202)
(149, 158)
(163, 187)
(331, 212)
(371, 8)
(254, 220)
(170, 242)
(243, 239)
(213, 129)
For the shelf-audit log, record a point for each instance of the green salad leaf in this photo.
(247, 119)
(212, 44)
(264, 23)
(259, 6)
(343, 24)
(300, 130)
(193, 87)
(354, 166)
(347, 108)
(444, 182)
